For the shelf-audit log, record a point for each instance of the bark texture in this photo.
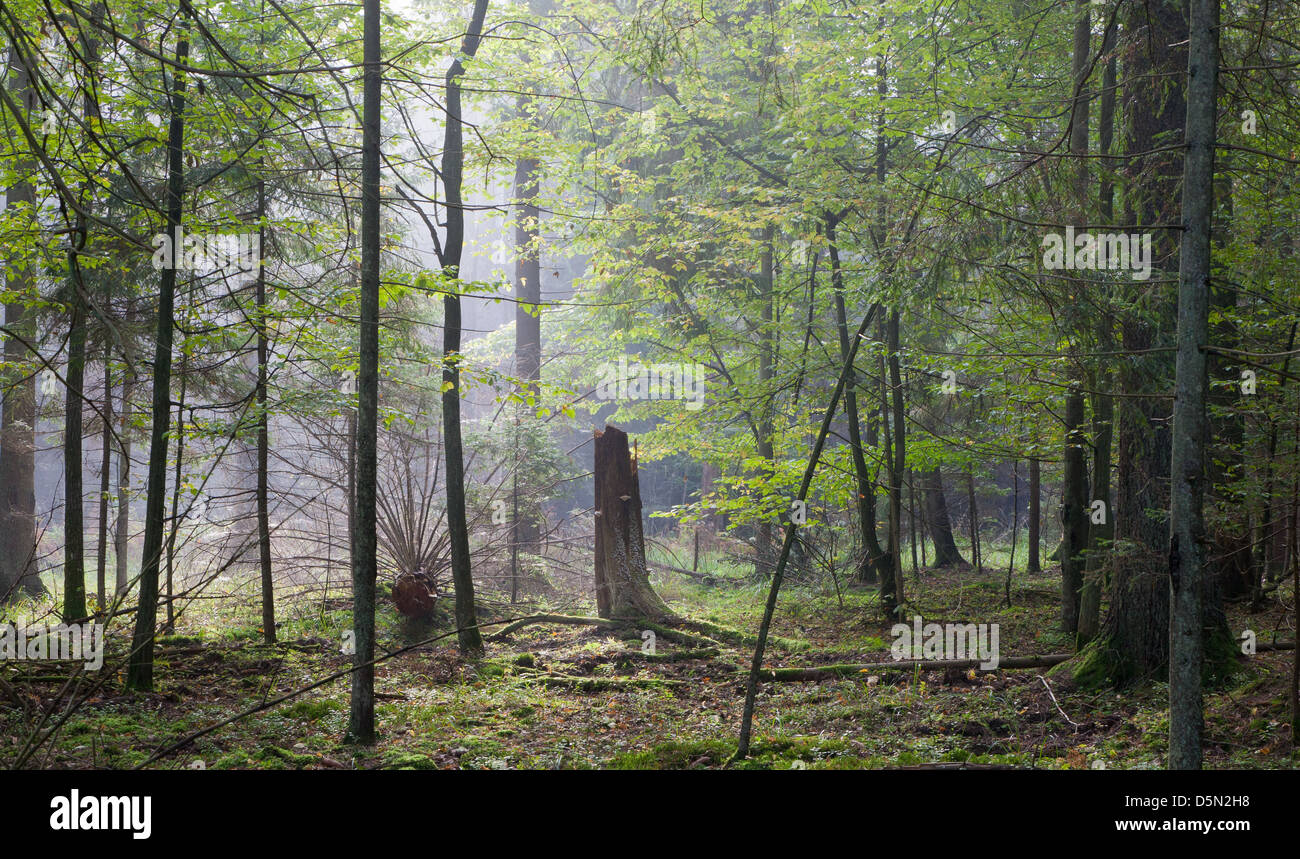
(938, 523)
(622, 578)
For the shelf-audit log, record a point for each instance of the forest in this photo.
(649, 384)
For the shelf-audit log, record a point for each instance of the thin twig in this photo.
(1048, 687)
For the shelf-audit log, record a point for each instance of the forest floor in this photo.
(581, 697)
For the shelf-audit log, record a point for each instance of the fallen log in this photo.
(704, 578)
(679, 656)
(832, 672)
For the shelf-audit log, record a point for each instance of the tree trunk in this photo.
(622, 579)
(105, 482)
(937, 521)
(350, 427)
(361, 711)
(140, 668)
(528, 320)
(468, 637)
(1101, 534)
(18, 572)
(74, 531)
(869, 568)
(176, 517)
(263, 451)
(1035, 517)
(1134, 639)
(1187, 545)
(1074, 483)
(1295, 659)
(973, 520)
(122, 531)
(1074, 509)
(1015, 526)
(911, 522)
(891, 579)
(74, 537)
(891, 585)
(763, 548)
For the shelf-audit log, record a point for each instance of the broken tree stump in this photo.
(622, 578)
(415, 594)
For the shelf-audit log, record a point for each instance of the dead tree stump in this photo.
(414, 594)
(622, 579)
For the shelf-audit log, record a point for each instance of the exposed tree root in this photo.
(669, 633)
(571, 620)
(668, 630)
